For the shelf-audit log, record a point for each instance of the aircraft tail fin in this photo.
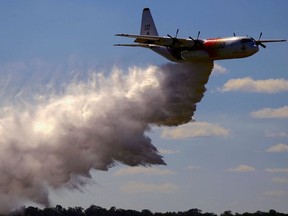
(147, 24)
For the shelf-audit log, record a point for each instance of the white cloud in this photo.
(276, 193)
(193, 168)
(140, 187)
(247, 84)
(193, 130)
(242, 168)
(277, 134)
(142, 170)
(278, 148)
(281, 112)
(218, 69)
(280, 180)
(276, 170)
(168, 151)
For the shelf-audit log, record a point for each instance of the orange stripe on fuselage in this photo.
(214, 43)
(212, 46)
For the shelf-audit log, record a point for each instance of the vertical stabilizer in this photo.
(147, 25)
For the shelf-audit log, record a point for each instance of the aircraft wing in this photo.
(270, 41)
(160, 41)
(137, 45)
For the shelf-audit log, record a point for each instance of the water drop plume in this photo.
(56, 141)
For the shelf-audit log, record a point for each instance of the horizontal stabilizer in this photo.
(139, 36)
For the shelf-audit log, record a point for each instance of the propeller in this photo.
(258, 42)
(175, 35)
(197, 40)
(174, 39)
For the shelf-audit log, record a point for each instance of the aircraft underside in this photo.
(200, 55)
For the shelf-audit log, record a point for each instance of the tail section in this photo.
(147, 25)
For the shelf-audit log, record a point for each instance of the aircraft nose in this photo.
(254, 48)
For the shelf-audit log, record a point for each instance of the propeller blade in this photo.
(198, 35)
(176, 33)
(262, 45)
(254, 40)
(260, 36)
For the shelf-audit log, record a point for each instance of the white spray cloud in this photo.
(56, 141)
(219, 69)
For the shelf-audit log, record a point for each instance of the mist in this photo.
(59, 138)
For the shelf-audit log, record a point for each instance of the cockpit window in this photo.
(245, 40)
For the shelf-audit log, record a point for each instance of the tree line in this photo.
(94, 210)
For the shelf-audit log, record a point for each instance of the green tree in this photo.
(227, 213)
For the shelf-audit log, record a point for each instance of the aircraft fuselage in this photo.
(210, 49)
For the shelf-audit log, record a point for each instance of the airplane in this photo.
(189, 49)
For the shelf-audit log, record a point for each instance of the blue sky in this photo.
(234, 157)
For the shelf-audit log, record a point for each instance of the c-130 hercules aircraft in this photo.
(190, 49)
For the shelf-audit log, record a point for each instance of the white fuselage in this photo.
(211, 49)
